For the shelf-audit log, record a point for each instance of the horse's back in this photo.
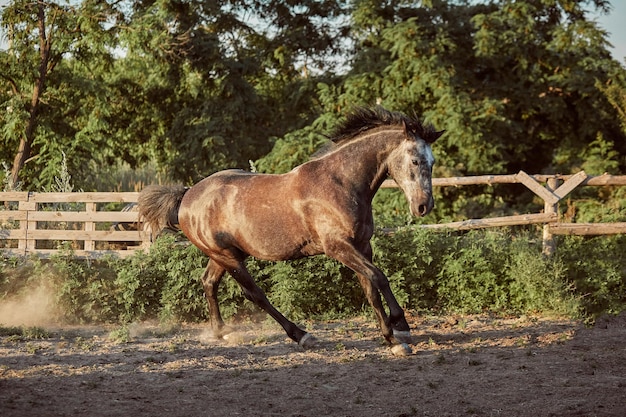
(259, 214)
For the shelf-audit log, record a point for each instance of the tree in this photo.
(225, 78)
(196, 86)
(41, 36)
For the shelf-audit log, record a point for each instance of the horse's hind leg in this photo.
(211, 280)
(255, 294)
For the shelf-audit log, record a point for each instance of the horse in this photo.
(323, 206)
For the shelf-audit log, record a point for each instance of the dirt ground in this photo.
(460, 366)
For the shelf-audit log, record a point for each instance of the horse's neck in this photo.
(363, 161)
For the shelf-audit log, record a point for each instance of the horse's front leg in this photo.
(394, 327)
(373, 297)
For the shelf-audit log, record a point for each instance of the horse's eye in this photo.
(415, 162)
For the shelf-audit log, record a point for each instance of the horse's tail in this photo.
(158, 206)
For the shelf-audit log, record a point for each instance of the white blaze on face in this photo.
(428, 154)
(429, 158)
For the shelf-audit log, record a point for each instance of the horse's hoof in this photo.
(403, 336)
(307, 341)
(223, 332)
(401, 350)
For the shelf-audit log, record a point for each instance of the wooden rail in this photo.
(555, 189)
(41, 223)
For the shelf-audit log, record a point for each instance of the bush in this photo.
(473, 272)
(471, 278)
(317, 287)
(86, 292)
(499, 271)
(410, 258)
(596, 268)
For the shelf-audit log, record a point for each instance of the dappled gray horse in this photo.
(323, 206)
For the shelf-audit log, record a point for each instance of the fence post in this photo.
(27, 244)
(549, 245)
(89, 226)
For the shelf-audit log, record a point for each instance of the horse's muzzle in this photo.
(422, 207)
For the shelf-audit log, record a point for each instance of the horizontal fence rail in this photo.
(90, 224)
(550, 188)
(96, 223)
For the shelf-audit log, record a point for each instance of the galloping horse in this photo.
(323, 206)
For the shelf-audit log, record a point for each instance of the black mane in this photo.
(362, 119)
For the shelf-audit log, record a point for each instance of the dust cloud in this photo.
(33, 307)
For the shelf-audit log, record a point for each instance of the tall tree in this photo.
(513, 82)
(41, 35)
(224, 78)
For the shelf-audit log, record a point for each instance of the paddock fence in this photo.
(552, 189)
(93, 224)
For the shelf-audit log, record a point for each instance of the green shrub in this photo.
(85, 291)
(316, 287)
(18, 274)
(473, 272)
(410, 258)
(140, 280)
(182, 294)
(498, 271)
(537, 283)
(470, 279)
(596, 267)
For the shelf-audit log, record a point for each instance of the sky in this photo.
(614, 23)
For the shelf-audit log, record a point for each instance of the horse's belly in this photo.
(277, 240)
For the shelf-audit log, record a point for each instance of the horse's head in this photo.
(411, 166)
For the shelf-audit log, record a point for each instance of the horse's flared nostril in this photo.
(422, 209)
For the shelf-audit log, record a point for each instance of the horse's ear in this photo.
(409, 132)
(434, 136)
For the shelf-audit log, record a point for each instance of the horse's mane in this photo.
(362, 119)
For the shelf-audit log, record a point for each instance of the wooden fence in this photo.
(93, 224)
(551, 189)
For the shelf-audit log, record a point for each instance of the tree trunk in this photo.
(24, 149)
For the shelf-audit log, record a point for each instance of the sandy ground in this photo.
(460, 366)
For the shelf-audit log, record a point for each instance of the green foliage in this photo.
(291, 150)
(189, 88)
(163, 283)
(317, 287)
(499, 271)
(538, 284)
(23, 333)
(50, 81)
(510, 82)
(471, 276)
(473, 272)
(182, 296)
(596, 267)
(86, 291)
(140, 281)
(121, 334)
(410, 258)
